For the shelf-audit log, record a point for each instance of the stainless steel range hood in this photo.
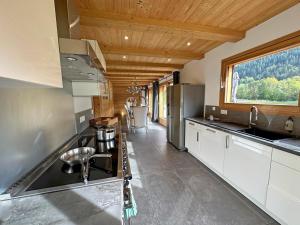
(81, 59)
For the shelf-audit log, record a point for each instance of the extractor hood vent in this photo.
(81, 59)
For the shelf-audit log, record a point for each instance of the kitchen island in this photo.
(100, 204)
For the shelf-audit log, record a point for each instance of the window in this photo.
(272, 79)
(267, 76)
(163, 104)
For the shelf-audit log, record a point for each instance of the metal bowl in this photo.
(77, 155)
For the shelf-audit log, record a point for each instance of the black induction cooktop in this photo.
(59, 173)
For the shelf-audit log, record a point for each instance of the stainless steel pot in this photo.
(77, 155)
(106, 133)
(105, 146)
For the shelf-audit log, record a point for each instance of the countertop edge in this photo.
(257, 139)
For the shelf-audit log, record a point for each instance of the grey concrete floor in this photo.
(173, 188)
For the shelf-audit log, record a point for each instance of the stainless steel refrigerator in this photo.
(183, 101)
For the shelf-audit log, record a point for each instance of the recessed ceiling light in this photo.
(188, 44)
(91, 74)
(126, 37)
(169, 59)
(124, 56)
(71, 58)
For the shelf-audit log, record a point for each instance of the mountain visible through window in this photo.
(272, 79)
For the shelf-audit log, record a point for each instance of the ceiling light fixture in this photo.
(126, 37)
(135, 88)
(124, 56)
(71, 59)
(169, 60)
(188, 44)
(91, 74)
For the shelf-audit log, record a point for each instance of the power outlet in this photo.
(223, 111)
(81, 119)
(213, 108)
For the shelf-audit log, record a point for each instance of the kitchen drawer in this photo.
(193, 124)
(287, 159)
(283, 197)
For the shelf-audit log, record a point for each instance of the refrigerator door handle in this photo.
(197, 136)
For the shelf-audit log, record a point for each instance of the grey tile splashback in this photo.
(85, 124)
(268, 122)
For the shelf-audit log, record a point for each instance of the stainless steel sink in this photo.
(268, 135)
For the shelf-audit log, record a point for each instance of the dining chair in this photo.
(139, 120)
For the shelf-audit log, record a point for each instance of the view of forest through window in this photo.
(272, 79)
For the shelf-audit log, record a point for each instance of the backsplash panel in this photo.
(268, 122)
(81, 126)
(34, 122)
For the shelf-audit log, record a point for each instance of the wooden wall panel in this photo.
(103, 106)
(120, 96)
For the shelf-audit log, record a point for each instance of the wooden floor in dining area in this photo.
(173, 188)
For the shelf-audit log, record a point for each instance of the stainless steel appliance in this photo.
(106, 133)
(183, 101)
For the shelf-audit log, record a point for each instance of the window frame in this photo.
(285, 42)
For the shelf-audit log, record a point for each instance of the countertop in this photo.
(99, 204)
(291, 145)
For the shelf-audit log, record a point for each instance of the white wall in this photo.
(82, 103)
(209, 68)
(193, 72)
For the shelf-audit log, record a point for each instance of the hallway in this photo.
(173, 188)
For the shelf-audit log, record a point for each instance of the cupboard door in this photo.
(213, 144)
(247, 165)
(192, 138)
(283, 198)
(29, 42)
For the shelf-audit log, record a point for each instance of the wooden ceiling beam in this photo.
(128, 81)
(111, 63)
(128, 84)
(101, 18)
(138, 71)
(152, 73)
(138, 82)
(131, 78)
(160, 53)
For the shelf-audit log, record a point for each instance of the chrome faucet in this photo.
(85, 163)
(251, 120)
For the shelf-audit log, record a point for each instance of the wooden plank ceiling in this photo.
(144, 40)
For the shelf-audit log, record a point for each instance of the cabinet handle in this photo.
(213, 131)
(227, 141)
(197, 136)
(192, 124)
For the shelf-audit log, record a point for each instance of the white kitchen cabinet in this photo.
(212, 145)
(29, 42)
(192, 133)
(247, 166)
(283, 196)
